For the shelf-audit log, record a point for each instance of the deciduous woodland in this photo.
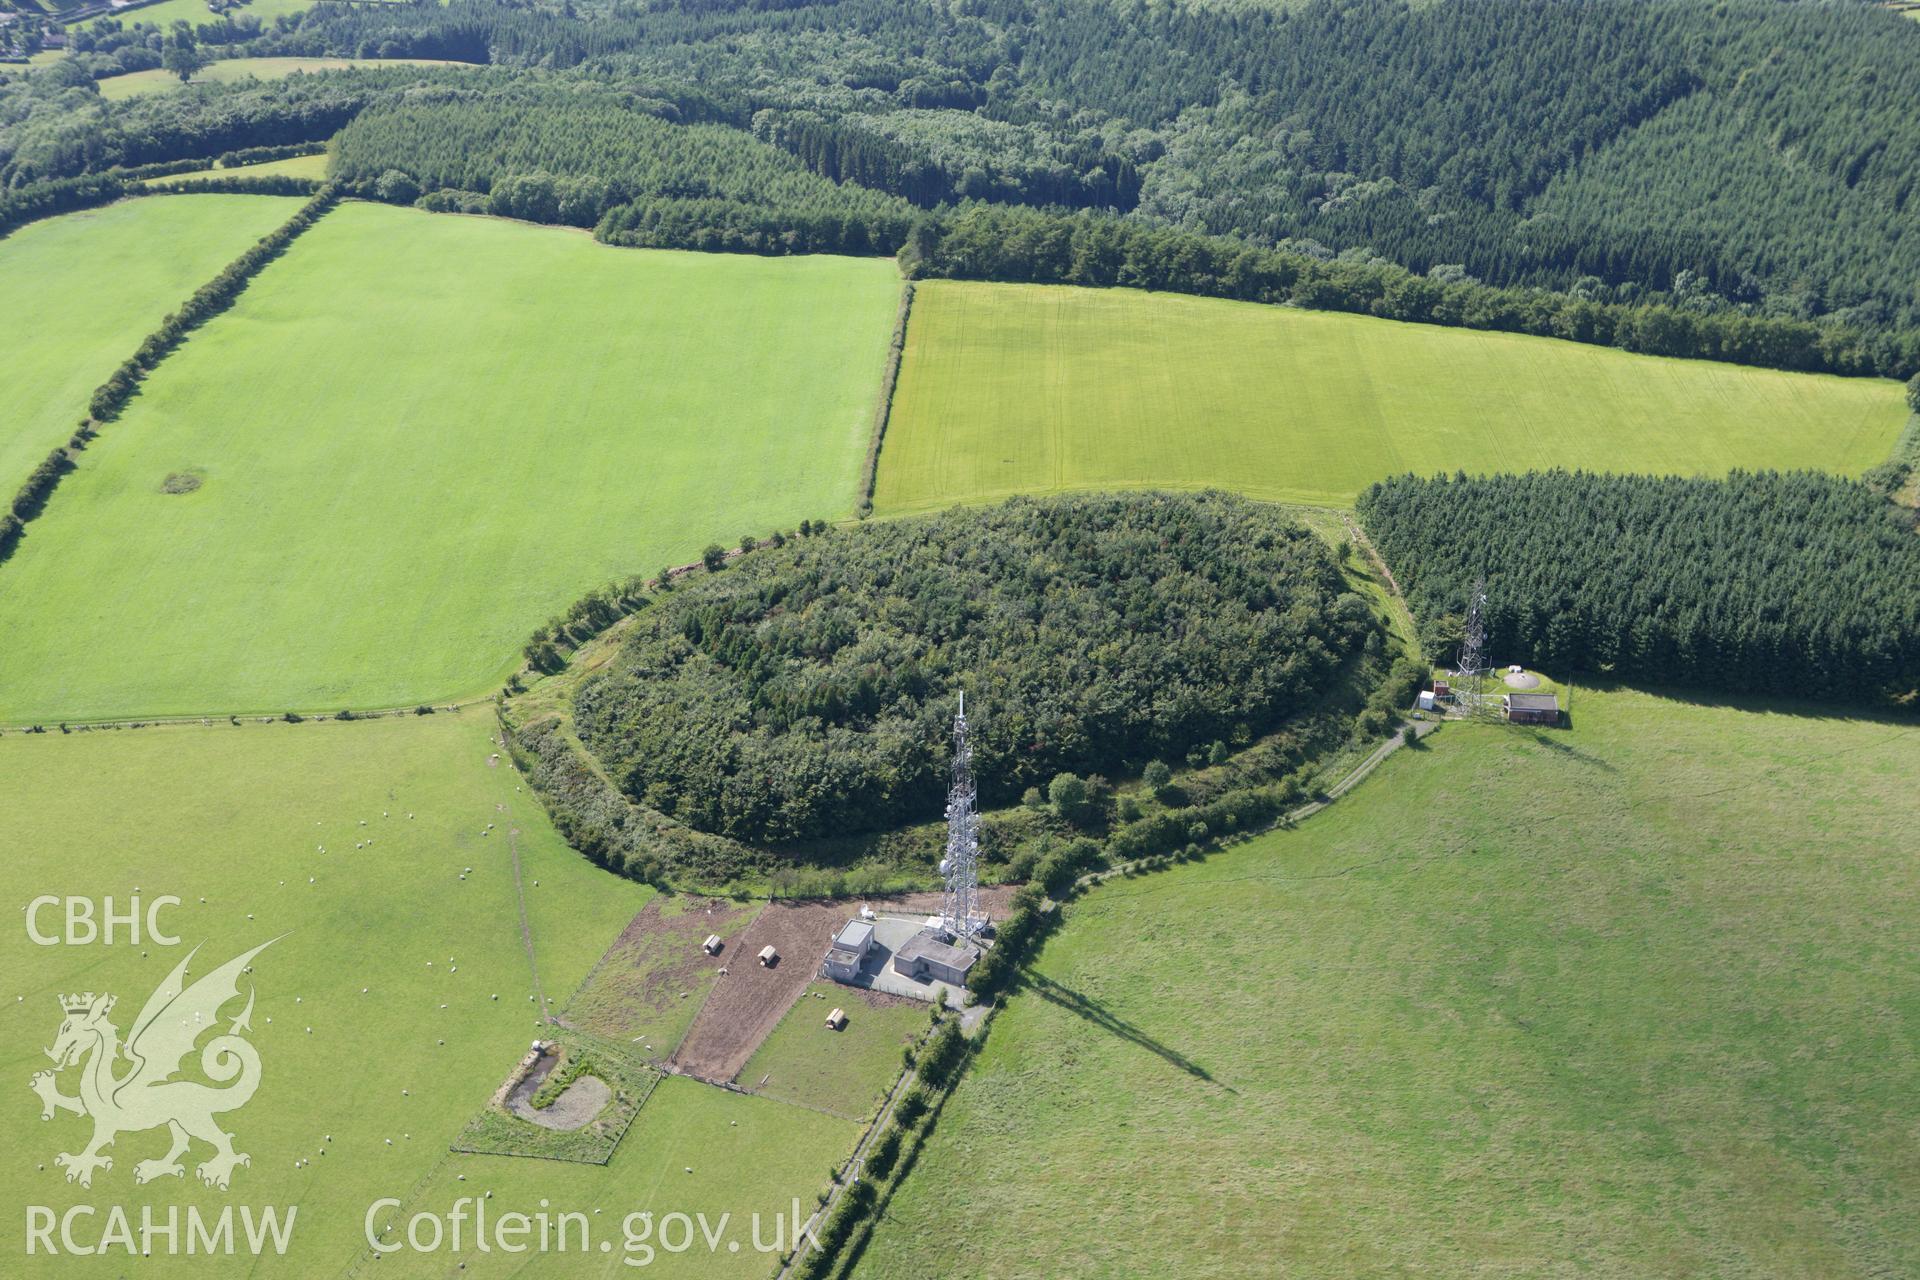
(1795, 584)
(809, 690)
(1743, 171)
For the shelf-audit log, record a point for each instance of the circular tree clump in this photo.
(809, 691)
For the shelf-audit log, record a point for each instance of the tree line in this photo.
(112, 396)
(1679, 187)
(1645, 150)
(1001, 243)
(1794, 584)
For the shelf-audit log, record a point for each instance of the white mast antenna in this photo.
(959, 870)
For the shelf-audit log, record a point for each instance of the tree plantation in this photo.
(809, 689)
(1793, 584)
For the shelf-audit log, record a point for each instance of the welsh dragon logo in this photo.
(146, 1095)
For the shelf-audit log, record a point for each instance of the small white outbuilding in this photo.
(768, 956)
(712, 945)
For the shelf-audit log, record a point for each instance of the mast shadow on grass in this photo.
(1096, 1013)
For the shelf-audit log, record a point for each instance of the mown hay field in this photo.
(1031, 388)
(1630, 998)
(418, 436)
(83, 289)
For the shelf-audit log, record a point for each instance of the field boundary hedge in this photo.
(1020, 245)
(111, 396)
(883, 406)
(935, 1070)
(52, 198)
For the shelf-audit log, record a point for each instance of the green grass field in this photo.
(1027, 388)
(313, 166)
(694, 1149)
(421, 435)
(1636, 998)
(196, 13)
(227, 70)
(846, 1072)
(385, 954)
(95, 284)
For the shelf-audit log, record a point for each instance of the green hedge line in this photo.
(242, 184)
(62, 195)
(883, 405)
(207, 301)
(999, 242)
(937, 1068)
(39, 486)
(110, 397)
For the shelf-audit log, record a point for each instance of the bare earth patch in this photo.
(746, 1004)
(751, 998)
(574, 1109)
(644, 991)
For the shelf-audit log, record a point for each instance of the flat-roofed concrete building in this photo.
(849, 950)
(932, 956)
(1532, 708)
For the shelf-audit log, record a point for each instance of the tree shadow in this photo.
(1768, 704)
(1096, 1013)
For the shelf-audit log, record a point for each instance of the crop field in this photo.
(1027, 388)
(158, 80)
(418, 436)
(413, 980)
(845, 1072)
(1634, 998)
(313, 166)
(95, 284)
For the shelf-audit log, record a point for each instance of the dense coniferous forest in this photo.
(1798, 584)
(1735, 167)
(809, 690)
